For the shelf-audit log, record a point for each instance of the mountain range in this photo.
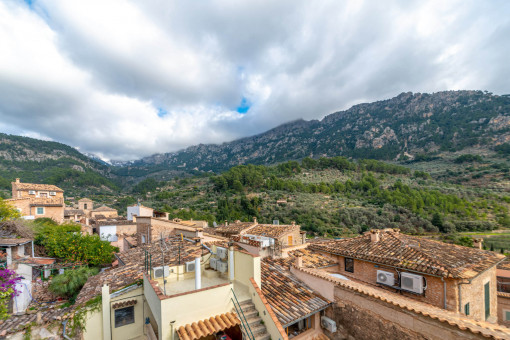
(405, 127)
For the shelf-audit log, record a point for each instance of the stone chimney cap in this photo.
(375, 231)
(17, 180)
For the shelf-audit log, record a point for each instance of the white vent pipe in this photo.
(198, 272)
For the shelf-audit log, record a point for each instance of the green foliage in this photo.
(7, 211)
(69, 284)
(468, 158)
(503, 149)
(67, 242)
(145, 186)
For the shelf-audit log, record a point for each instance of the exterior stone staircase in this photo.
(252, 317)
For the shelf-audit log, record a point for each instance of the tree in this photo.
(492, 246)
(7, 211)
(437, 221)
(69, 284)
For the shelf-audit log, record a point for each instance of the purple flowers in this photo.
(8, 280)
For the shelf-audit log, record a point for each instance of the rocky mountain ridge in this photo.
(406, 125)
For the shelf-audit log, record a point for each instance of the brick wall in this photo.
(434, 294)
(503, 306)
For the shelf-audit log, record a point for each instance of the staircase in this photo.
(254, 321)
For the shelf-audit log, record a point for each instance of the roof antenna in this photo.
(163, 256)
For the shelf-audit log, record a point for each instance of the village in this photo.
(187, 280)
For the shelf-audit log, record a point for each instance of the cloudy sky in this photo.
(126, 79)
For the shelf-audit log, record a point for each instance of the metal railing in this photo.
(245, 326)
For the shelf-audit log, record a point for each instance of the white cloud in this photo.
(93, 74)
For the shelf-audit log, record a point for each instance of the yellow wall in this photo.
(153, 302)
(132, 330)
(193, 307)
(93, 326)
(246, 266)
(271, 327)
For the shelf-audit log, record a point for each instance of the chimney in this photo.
(293, 223)
(478, 243)
(226, 223)
(374, 235)
(299, 261)
(198, 272)
(255, 220)
(17, 180)
(231, 263)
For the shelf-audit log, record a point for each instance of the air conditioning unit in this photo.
(160, 272)
(53, 193)
(190, 266)
(222, 266)
(213, 263)
(385, 278)
(31, 192)
(328, 324)
(222, 252)
(411, 282)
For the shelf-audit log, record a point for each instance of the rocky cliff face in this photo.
(407, 124)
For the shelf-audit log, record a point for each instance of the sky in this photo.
(126, 79)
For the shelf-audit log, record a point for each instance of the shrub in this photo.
(69, 284)
(7, 211)
(8, 280)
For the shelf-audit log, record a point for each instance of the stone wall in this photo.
(363, 317)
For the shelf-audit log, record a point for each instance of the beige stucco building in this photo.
(38, 200)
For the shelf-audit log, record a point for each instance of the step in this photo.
(253, 321)
(251, 314)
(258, 329)
(264, 336)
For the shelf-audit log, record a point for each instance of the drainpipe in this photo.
(198, 272)
(231, 263)
(33, 253)
(64, 331)
(444, 291)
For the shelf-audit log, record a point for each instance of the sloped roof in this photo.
(211, 326)
(16, 323)
(116, 278)
(68, 212)
(34, 186)
(414, 253)
(311, 259)
(85, 200)
(290, 298)
(104, 208)
(234, 228)
(272, 230)
(173, 248)
(13, 241)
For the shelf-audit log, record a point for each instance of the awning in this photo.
(206, 327)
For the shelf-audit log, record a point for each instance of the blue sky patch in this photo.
(244, 106)
(161, 112)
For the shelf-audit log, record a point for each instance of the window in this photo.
(487, 294)
(124, 316)
(349, 265)
(39, 211)
(466, 308)
(85, 206)
(43, 194)
(507, 315)
(143, 239)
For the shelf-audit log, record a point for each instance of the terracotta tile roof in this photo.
(288, 297)
(16, 323)
(271, 230)
(33, 186)
(485, 329)
(505, 265)
(13, 241)
(211, 326)
(116, 278)
(104, 208)
(69, 212)
(311, 259)
(85, 200)
(320, 337)
(173, 248)
(234, 228)
(414, 253)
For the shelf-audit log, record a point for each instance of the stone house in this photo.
(104, 212)
(150, 229)
(38, 200)
(503, 278)
(451, 277)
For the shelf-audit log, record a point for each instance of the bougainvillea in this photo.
(8, 280)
